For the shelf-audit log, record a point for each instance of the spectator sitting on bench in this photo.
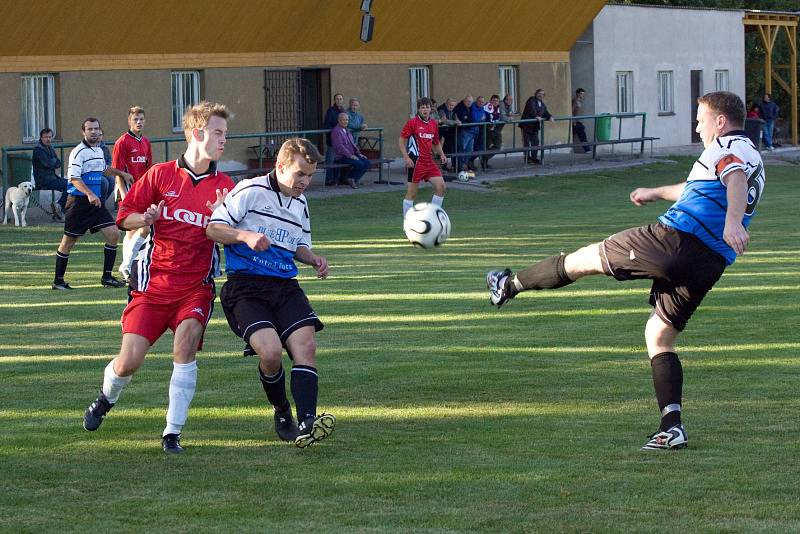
(45, 164)
(347, 151)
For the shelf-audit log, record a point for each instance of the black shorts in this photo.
(410, 170)
(80, 216)
(682, 267)
(255, 302)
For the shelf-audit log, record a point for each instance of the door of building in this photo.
(697, 92)
(295, 99)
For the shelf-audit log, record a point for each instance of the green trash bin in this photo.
(603, 127)
(20, 167)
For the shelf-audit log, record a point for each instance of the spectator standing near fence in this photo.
(134, 155)
(425, 135)
(347, 151)
(494, 139)
(172, 288)
(447, 126)
(466, 134)
(578, 128)
(84, 210)
(356, 123)
(329, 123)
(769, 111)
(45, 164)
(535, 108)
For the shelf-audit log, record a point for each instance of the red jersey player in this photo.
(132, 154)
(172, 286)
(425, 134)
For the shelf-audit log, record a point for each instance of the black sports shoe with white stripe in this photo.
(171, 443)
(314, 429)
(94, 414)
(674, 438)
(496, 282)
(285, 426)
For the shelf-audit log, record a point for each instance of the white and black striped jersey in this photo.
(703, 205)
(257, 205)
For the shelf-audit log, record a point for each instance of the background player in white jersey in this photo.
(172, 283)
(684, 254)
(265, 227)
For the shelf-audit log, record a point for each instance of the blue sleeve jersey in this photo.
(257, 205)
(702, 207)
(87, 164)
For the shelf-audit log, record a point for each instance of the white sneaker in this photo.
(674, 438)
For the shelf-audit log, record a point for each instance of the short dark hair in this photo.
(89, 119)
(725, 103)
(579, 90)
(424, 101)
(45, 131)
(494, 96)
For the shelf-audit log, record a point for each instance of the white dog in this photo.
(17, 199)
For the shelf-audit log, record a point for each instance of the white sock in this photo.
(113, 384)
(407, 205)
(181, 391)
(437, 200)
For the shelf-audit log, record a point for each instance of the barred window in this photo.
(38, 105)
(508, 83)
(185, 94)
(419, 78)
(666, 100)
(721, 80)
(624, 92)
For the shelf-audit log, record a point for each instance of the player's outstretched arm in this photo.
(228, 235)
(734, 233)
(644, 195)
(319, 263)
(135, 221)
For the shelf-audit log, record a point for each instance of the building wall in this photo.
(384, 92)
(646, 40)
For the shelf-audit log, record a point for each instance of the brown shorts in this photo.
(682, 267)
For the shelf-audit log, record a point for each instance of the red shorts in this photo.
(424, 170)
(150, 318)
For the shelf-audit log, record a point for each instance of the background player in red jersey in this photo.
(425, 133)
(172, 283)
(132, 154)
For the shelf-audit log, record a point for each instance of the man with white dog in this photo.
(84, 210)
(45, 165)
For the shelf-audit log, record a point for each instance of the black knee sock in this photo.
(304, 390)
(275, 388)
(668, 382)
(61, 266)
(109, 256)
(546, 274)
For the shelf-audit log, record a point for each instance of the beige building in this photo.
(275, 63)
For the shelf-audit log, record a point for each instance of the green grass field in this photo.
(452, 416)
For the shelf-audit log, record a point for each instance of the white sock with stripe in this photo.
(437, 200)
(113, 383)
(181, 391)
(407, 205)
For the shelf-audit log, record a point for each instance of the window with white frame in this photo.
(38, 105)
(185, 93)
(721, 80)
(624, 92)
(666, 100)
(419, 77)
(508, 83)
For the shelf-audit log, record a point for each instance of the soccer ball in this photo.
(426, 225)
(463, 176)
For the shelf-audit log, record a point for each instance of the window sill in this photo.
(666, 113)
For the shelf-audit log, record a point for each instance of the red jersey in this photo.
(425, 133)
(132, 154)
(178, 257)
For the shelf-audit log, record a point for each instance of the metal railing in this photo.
(266, 148)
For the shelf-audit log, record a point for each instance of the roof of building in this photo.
(329, 30)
